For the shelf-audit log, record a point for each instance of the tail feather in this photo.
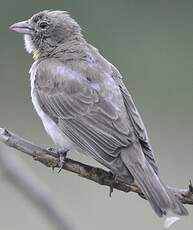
(160, 198)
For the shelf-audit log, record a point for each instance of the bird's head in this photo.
(46, 30)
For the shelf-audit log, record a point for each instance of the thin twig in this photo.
(98, 175)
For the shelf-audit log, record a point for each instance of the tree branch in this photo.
(50, 159)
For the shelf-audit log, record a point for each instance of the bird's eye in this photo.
(43, 25)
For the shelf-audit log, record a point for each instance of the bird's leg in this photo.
(62, 157)
(112, 184)
(111, 190)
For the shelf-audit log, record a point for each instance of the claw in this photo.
(111, 190)
(62, 157)
(112, 185)
(190, 187)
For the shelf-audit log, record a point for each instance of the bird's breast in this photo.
(59, 138)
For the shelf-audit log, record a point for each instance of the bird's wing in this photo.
(80, 110)
(136, 120)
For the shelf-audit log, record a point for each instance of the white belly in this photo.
(59, 138)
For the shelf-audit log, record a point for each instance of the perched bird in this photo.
(84, 104)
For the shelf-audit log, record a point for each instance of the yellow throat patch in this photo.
(36, 54)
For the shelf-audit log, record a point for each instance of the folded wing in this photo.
(82, 112)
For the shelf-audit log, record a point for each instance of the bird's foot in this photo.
(52, 149)
(110, 190)
(62, 157)
(112, 185)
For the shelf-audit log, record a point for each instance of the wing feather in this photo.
(136, 120)
(84, 115)
(97, 124)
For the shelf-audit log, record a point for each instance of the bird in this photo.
(84, 105)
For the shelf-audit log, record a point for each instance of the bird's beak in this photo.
(22, 27)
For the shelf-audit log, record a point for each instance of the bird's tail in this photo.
(160, 198)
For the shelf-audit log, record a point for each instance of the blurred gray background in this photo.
(151, 43)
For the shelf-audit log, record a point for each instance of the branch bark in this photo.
(50, 159)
